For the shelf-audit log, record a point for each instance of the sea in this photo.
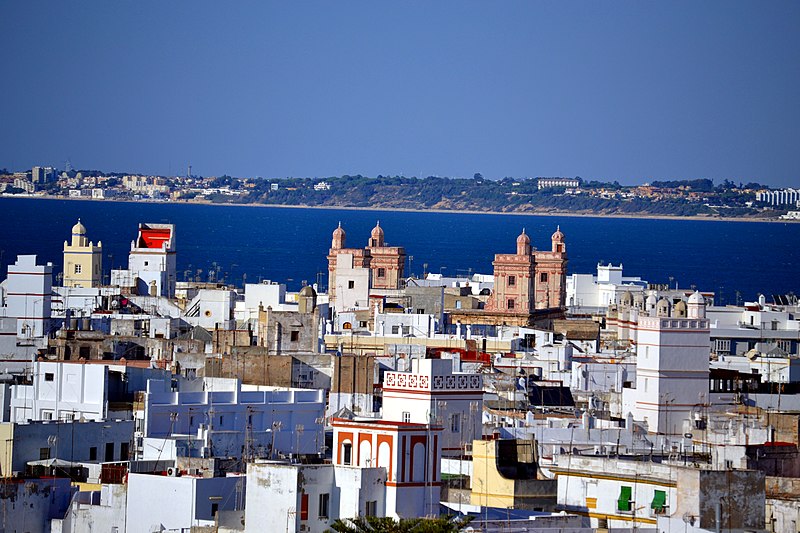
(736, 260)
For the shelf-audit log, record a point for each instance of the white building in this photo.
(603, 289)
(352, 284)
(432, 394)
(62, 392)
(617, 493)
(178, 503)
(25, 308)
(151, 262)
(293, 497)
(91, 442)
(672, 362)
(230, 423)
(211, 309)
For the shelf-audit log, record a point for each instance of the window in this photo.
(93, 453)
(146, 263)
(47, 415)
(406, 416)
(324, 499)
(722, 346)
(77, 269)
(214, 509)
(624, 501)
(381, 272)
(785, 345)
(510, 303)
(362, 323)
(458, 304)
(49, 376)
(659, 503)
(351, 284)
(543, 277)
(221, 419)
(347, 453)
(69, 417)
(295, 336)
(395, 330)
(109, 451)
(371, 508)
(123, 451)
(512, 280)
(455, 423)
(44, 453)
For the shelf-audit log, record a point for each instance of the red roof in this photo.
(154, 237)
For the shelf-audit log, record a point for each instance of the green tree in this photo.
(378, 524)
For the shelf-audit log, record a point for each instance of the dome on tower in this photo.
(627, 299)
(377, 231)
(79, 229)
(663, 307)
(376, 237)
(338, 237)
(558, 236)
(697, 298)
(308, 290)
(523, 238)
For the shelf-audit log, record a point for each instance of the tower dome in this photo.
(558, 241)
(650, 304)
(338, 238)
(627, 299)
(663, 308)
(376, 237)
(79, 234)
(523, 244)
(79, 229)
(697, 305)
(679, 310)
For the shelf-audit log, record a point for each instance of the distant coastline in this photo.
(642, 216)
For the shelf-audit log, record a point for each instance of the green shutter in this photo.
(659, 501)
(624, 502)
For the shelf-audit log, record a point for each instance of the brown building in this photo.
(386, 263)
(530, 280)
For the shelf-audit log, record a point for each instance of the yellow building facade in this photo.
(505, 474)
(83, 260)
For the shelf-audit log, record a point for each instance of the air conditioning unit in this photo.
(173, 472)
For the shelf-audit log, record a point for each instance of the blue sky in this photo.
(629, 91)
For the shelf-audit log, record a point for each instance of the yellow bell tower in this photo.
(83, 261)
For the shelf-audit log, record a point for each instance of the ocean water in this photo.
(290, 245)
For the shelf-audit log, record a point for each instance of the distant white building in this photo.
(546, 183)
(601, 289)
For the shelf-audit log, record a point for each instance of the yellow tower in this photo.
(83, 261)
